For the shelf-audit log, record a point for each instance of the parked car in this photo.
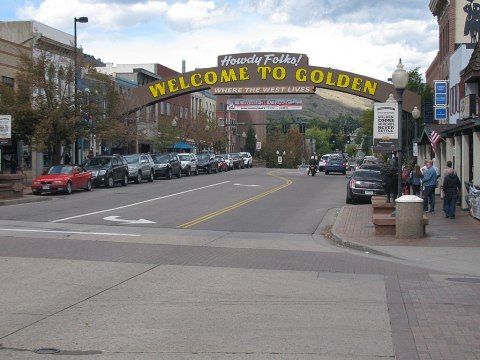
(247, 159)
(367, 160)
(363, 184)
(322, 162)
(222, 164)
(63, 178)
(166, 165)
(373, 166)
(188, 162)
(336, 163)
(237, 161)
(108, 170)
(207, 163)
(228, 159)
(140, 167)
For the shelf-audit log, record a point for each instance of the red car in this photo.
(63, 178)
(222, 164)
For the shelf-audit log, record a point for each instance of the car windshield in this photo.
(184, 157)
(219, 158)
(203, 157)
(131, 159)
(60, 169)
(98, 161)
(368, 175)
(160, 159)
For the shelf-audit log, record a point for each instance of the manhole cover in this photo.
(466, 280)
(46, 351)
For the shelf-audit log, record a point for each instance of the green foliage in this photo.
(250, 141)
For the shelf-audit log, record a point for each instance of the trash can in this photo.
(409, 217)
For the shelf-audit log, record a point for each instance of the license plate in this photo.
(368, 192)
(45, 187)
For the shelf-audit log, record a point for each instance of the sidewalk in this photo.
(451, 245)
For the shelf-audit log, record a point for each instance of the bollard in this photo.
(409, 217)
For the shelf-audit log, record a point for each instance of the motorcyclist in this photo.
(312, 162)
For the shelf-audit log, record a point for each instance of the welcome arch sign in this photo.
(264, 73)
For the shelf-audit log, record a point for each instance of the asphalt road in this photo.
(226, 266)
(249, 200)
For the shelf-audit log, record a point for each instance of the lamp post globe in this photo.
(400, 81)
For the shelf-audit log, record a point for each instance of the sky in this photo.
(366, 37)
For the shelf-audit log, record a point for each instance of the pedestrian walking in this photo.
(451, 186)
(442, 193)
(416, 179)
(429, 184)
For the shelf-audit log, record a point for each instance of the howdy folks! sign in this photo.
(263, 73)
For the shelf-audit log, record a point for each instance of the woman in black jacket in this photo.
(451, 186)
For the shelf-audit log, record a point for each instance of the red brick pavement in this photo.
(354, 225)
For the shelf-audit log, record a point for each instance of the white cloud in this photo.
(365, 37)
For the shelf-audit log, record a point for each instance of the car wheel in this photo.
(179, 175)
(68, 190)
(138, 179)
(349, 197)
(110, 183)
(150, 178)
(169, 174)
(196, 172)
(89, 185)
(125, 180)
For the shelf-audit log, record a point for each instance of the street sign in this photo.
(280, 160)
(440, 113)
(440, 99)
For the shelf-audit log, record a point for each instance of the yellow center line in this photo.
(239, 204)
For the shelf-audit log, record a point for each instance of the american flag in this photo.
(433, 137)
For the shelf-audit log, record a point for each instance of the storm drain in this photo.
(46, 351)
(465, 280)
(53, 351)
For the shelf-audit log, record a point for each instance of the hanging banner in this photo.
(385, 127)
(264, 104)
(5, 129)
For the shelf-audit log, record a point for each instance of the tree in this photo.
(47, 80)
(250, 141)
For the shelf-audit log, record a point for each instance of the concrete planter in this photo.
(11, 186)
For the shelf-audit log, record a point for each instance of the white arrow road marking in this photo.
(244, 185)
(125, 221)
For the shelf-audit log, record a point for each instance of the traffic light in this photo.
(347, 139)
(301, 128)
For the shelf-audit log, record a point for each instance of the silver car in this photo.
(140, 167)
(189, 163)
(247, 159)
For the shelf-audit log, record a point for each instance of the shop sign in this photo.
(385, 127)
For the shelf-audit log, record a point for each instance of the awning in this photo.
(181, 145)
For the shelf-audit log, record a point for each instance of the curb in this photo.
(23, 200)
(353, 245)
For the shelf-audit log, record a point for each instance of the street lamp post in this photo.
(400, 81)
(244, 136)
(416, 116)
(174, 126)
(81, 19)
